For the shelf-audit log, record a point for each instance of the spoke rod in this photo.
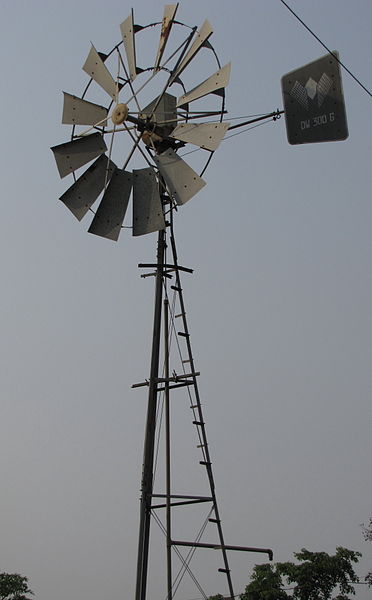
(170, 79)
(132, 152)
(134, 96)
(139, 147)
(156, 72)
(118, 129)
(93, 126)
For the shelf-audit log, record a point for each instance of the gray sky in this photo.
(279, 308)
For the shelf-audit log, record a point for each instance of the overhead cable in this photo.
(326, 47)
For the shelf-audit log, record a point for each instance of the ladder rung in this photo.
(194, 406)
(180, 315)
(224, 570)
(183, 334)
(201, 446)
(198, 423)
(214, 521)
(176, 288)
(187, 360)
(206, 464)
(186, 375)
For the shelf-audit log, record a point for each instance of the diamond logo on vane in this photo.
(312, 89)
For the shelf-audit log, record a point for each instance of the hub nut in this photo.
(119, 114)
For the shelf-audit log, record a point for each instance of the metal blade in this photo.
(110, 214)
(81, 112)
(169, 14)
(182, 181)
(72, 155)
(204, 135)
(147, 209)
(165, 112)
(219, 80)
(96, 69)
(127, 33)
(85, 191)
(201, 37)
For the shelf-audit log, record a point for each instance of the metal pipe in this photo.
(274, 115)
(224, 547)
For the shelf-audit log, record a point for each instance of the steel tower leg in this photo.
(148, 454)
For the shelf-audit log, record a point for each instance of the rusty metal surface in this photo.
(169, 14)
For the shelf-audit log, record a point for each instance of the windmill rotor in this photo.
(135, 133)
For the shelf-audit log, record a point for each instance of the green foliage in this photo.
(318, 574)
(218, 597)
(266, 584)
(14, 587)
(367, 532)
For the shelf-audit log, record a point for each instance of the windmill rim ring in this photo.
(138, 30)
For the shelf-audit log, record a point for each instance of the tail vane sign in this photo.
(314, 102)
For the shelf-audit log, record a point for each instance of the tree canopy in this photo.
(315, 576)
(266, 584)
(14, 587)
(367, 532)
(318, 574)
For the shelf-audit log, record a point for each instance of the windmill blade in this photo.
(216, 82)
(72, 155)
(77, 111)
(168, 17)
(85, 191)
(96, 68)
(204, 135)
(182, 181)
(127, 33)
(147, 209)
(110, 214)
(201, 37)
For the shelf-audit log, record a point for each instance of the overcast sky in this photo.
(279, 309)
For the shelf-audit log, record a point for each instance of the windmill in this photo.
(147, 116)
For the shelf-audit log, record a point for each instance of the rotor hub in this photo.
(119, 114)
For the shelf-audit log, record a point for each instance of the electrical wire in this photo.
(326, 47)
